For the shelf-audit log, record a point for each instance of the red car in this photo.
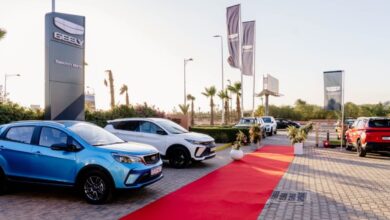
(369, 134)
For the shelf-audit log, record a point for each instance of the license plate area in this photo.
(386, 138)
(155, 170)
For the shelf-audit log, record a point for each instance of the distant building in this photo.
(35, 107)
(90, 101)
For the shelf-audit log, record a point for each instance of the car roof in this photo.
(59, 124)
(137, 119)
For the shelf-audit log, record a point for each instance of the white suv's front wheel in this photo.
(179, 157)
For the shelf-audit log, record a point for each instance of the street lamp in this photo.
(223, 87)
(5, 84)
(185, 90)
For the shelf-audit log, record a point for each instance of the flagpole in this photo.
(342, 111)
(254, 69)
(240, 60)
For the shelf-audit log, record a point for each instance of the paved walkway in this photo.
(339, 185)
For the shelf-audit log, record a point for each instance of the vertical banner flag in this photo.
(233, 19)
(248, 46)
(333, 90)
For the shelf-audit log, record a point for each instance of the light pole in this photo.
(223, 86)
(5, 84)
(231, 101)
(185, 85)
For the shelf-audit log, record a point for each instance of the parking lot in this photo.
(339, 184)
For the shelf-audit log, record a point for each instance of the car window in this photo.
(267, 119)
(127, 125)
(148, 127)
(379, 123)
(360, 124)
(50, 136)
(20, 134)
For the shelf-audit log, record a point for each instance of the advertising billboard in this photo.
(64, 66)
(333, 90)
(271, 84)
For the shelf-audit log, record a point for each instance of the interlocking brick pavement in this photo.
(340, 185)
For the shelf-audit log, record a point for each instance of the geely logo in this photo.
(68, 26)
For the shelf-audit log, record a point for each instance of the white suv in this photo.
(270, 125)
(172, 141)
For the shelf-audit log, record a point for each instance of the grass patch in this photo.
(223, 147)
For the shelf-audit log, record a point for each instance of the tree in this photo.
(192, 99)
(110, 84)
(184, 108)
(210, 93)
(2, 33)
(236, 89)
(224, 96)
(125, 90)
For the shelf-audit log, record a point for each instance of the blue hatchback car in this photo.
(75, 154)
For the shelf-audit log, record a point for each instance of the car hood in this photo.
(196, 136)
(132, 148)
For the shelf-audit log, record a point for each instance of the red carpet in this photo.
(238, 190)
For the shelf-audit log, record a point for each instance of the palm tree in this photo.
(192, 99)
(236, 89)
(210, 92)
(111, 85)
(224, 96)
(125, 90)
(2, 33)
(184, 108)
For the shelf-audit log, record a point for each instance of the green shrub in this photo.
(221, 134)
(10, 112)
(101, 117)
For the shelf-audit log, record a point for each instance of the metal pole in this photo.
(185, 92)
(5, 88)
(53, 5)
(223, 86)
(342, 111)
(254, 71)
(242, 95)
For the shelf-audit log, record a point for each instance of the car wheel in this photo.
(271, 132)
(179, 158)
(276, 131)
(3, 184)
(96, 187)
(348, 147)
(360, 150)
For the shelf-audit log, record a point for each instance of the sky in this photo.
(144, 43)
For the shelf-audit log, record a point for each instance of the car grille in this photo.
(152, 159)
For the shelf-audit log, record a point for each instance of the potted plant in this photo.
(255, 136)
(236, 153)
(297, 136)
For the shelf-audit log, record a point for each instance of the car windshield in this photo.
(172, 127)
(379, 123)
(247, 121)
(94, 135)
(267, 119)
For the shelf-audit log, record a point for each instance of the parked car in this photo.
(284, 123)
(270, 125)
(347, 123)
(247, 122)
(173, 142)
(368, 134)
(75, 154)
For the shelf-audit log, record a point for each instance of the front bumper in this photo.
(204, 152)
(133, 176)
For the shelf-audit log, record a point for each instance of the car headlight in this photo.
(193, 142)
(126, 158)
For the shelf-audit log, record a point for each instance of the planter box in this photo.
(298, 148)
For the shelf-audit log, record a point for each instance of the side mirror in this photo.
(161, 132)
(64, 147)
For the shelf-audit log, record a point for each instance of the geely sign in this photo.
(64, 67)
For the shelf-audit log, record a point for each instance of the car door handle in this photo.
(37, 153)
(2, 147)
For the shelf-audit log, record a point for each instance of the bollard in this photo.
(327, 135)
